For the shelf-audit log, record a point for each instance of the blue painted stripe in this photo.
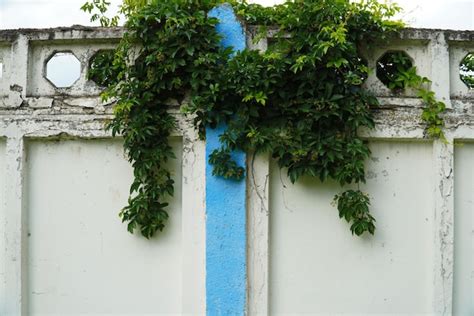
(226, 272)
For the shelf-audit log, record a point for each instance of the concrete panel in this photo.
(81, 258)
(316, 266)
(463, 297)
(2, 222)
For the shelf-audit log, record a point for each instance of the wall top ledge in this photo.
(80, 32)
(75, 32)
(408, 33)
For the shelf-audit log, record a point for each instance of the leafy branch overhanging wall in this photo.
(300, 101)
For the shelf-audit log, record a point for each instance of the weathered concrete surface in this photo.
(30, 107)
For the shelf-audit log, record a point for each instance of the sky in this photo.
(445, 14)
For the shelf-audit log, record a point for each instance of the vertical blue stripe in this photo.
(226, 272)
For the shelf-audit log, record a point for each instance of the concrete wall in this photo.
(64, 180)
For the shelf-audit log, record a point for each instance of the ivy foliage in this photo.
(301, 101)
(399, 74)
(179, 56)
(101, 68)
(354, 208)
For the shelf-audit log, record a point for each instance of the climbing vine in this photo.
(400, 74)
(301, 100)
(467, 70)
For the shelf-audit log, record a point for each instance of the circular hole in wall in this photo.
(390, 66)
(466, 70)
(63, 69)
(101, 69)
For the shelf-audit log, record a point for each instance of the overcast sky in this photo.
(448, 14)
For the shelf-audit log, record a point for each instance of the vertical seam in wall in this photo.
(193, 222)
(443, 226)
(15, 229)
(258, 231)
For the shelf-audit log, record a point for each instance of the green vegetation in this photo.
(301, 101)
